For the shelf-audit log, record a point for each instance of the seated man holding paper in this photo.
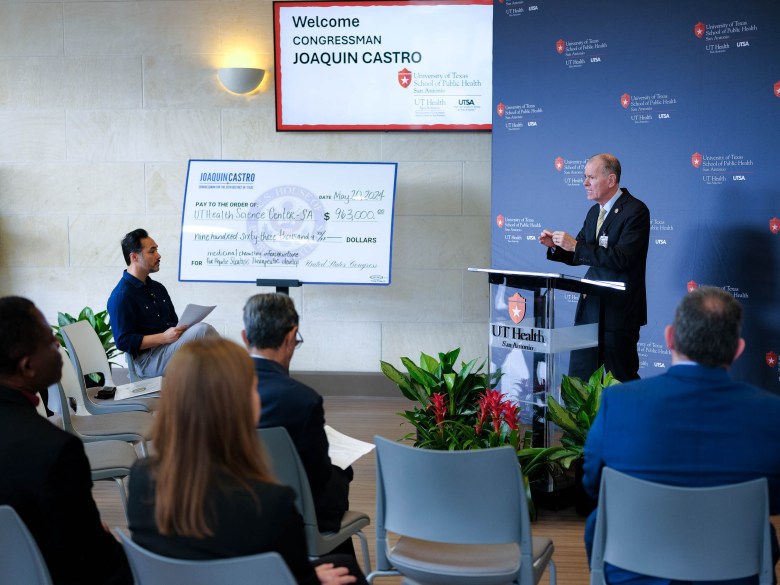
(271, 336)
(143, 319)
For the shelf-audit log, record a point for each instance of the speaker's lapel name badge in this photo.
(603, 241)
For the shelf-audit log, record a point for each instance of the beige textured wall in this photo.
(103, 103)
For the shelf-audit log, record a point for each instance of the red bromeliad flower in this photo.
(438, 405)
(511, 413)
(490, 404)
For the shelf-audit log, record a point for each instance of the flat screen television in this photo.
(383, 65)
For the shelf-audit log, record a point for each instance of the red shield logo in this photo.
(516, 308)
(698, 29)
(500, 221)
(560, 46)
(500, 109)
(625, 100)
(777, 89)
(559, 164)
(692, 286)
(774, 225)
(696, 159)
(771, 359)
(404, 77)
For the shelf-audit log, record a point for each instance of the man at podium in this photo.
(613, 242)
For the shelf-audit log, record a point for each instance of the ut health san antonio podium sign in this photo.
(528, 346)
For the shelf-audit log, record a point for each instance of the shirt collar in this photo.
(132, 280)
(611, 203)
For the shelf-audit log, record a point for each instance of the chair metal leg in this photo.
(120, 481)
(364, 549)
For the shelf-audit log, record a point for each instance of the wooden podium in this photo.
(529, 345)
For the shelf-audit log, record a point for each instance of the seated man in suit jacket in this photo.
(271, 335)
(45, 473)
(692, 426)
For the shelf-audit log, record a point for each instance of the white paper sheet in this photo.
(345, 450)
(140, 388)
(194, 314)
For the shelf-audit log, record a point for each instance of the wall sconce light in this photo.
(241, 80)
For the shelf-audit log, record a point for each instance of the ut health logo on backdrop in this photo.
(580, 53)
(518, 229)
(571, 169)
(721, 37)
(649, 106)
(717, 169)
(518, 116)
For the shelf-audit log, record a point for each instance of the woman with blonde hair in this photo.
(207, 491)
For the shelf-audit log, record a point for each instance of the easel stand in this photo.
(282, 286)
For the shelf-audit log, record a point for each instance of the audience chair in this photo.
(153, 569)
(289, 471)
(682, 533)
(88, 356)
(460, 517)
(108, 460)
(133, 427)
(111, 460)
(20, 558)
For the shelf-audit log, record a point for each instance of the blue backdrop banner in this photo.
(687, 96)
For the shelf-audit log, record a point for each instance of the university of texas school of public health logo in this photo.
(696, 159)
(774, 225)
(404, 77)
(771, 359)
(500, 109)
(559, 164)
(692, 285)
(699, 29)
(516, 308)
(560, 46)
(777, 89)
(500, 221)
(625, 100)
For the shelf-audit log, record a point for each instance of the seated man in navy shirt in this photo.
(143, 319)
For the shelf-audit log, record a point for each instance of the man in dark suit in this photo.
(271, 335)
(693, 426)
(613, 242)
(45, 473)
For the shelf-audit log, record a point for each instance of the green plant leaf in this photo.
(65, 319)
(428, 363)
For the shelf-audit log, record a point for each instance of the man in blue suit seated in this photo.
(692, 426)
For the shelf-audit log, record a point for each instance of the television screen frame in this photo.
(387, 68)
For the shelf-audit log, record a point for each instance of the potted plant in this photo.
(100, 323)
(457, 409)
(581, 402)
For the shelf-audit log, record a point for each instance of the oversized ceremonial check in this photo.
(315, 222)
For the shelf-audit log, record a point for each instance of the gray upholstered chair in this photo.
(20, 558)
(460, 517)
(130, 426)
(153, 569)
(111, 460)
(87, 355)
(682, 533)
(289, 471)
